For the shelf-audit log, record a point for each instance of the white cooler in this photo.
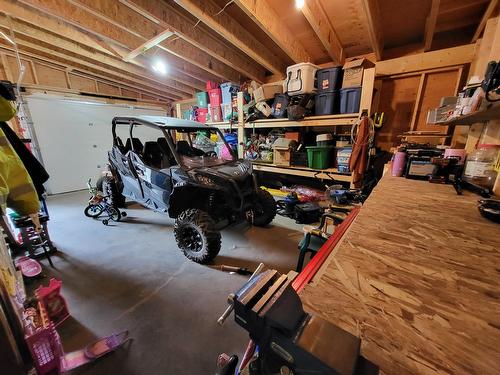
(300, 79)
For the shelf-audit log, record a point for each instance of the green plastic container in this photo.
(202, 99)
(319, 157)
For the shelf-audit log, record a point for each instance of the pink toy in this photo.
(398, 164)
(29, 267)
(52, 301)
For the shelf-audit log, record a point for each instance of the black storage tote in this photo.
(349, 100)
(278, 110)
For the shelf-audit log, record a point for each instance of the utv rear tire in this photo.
(264, 209)
(197, 236)
(110, 189)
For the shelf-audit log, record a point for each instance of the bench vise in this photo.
(289, 340)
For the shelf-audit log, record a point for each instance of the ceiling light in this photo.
(160, 67)
(299, 4)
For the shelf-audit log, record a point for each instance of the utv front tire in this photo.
(264, 209)
(197, 236)
(110, 189)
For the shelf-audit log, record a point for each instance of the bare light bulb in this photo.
(299, 4)
(160, 67)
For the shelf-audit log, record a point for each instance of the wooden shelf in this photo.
(330, 173)
(330, 120)
(222, 125)
(490, 113)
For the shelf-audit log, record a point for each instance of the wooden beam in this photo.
(128, 21)
(315, 14)
(489, 11)
(51, 62)
(428, 60)
(233, 32)
(454, 6)
(374, 24)
(78, 61)
(167, 16)
(430, 25)
(107, 29)
(96, 57)
(266, 18)
(89, 38)
(420, 94)
(148, 44)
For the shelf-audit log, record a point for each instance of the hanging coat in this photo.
(35, 169)
(16, 188)
(359, 156)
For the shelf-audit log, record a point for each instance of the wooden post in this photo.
(241, 125)
(420, 93)
(367, 90)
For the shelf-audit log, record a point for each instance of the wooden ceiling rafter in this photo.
(227, 27)
(430, 24)
(487, 14)
(127, 20)
(97, 27)
(315, 14)
(90, 58)
(45, 59)
(167, 16)
(148, 44)
(374, 26)
(262, 14)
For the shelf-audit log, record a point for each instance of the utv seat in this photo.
(118, 143)
(183, 148)
(153, 156)
(135, 145)
(165, 149)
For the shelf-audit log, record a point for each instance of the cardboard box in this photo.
(267, 91)
(353, 72)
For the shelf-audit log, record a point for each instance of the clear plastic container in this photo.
(479, 168)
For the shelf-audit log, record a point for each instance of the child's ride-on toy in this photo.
(99, 204)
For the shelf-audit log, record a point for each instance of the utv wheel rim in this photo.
(191, 240)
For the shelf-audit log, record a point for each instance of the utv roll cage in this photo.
(165, 125)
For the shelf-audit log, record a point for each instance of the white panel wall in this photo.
(74, 137)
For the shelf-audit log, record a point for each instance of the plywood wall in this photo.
(406, 99)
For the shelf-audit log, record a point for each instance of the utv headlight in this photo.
(204, 180)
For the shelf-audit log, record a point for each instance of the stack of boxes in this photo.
(215, 98)
(327, 98)
(229, 102)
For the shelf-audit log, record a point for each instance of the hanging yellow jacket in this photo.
(16, 188)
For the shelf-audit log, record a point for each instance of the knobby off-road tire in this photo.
(197, 236)
(110, 189)
(264, 209)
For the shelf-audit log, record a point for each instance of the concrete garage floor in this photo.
(131, 275)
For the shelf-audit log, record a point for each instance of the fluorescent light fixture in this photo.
(160, 67)
(299, 3)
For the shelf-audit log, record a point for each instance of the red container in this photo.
(211, 85)
(215, 114)
(201, 115)
(215, 97)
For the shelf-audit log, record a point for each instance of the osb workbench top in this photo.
(417, 277)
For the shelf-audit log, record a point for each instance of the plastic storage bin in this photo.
(227, 111)
(278, 110)
(267, 91)
(226, 89)
(349, 100)
(202, 99)
(319, 157)
(215, 97)
(215, 113)
(300, 79)
(211, 85)
(343, 156)
(329, 79)
(201, 115)
(327, 103)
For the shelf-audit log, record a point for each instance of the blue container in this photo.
(327, 103)
(329, 79)
(349, 100)
(226, 88)
(343, 156)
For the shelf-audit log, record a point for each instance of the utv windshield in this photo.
(204, 148)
